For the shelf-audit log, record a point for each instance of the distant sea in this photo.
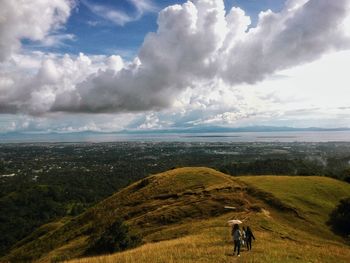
(290, 136)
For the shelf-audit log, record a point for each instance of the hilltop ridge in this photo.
(147, 205)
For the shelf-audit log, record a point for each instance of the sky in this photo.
(110, 65)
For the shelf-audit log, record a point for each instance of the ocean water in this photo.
(302, 136)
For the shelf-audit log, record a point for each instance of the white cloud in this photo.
(35, 83)
(196, 42)
(120, 17)
(151, 121)
(194, 69)
(287, 39)
(35, 20)
(59, 122)
(143, 6)
(56, 40)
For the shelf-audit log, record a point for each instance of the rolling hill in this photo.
(181, 217)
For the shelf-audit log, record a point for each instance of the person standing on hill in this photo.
(236, 234)
(243, 239)
(249, 237)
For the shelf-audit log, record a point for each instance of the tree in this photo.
(114, 238)
(340, 218)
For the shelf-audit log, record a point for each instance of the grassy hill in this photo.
(314, 197)
(181, 217)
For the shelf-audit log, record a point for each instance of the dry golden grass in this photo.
(148, 206)
(183, 209)
(280, 237)
(215, 245)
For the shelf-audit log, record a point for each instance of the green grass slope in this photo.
(313, 197)
(148, 206)
(183, 210)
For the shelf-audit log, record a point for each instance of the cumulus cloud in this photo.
(33, 20)
(301, 33)
(63, 123)
(33, 83)
(196, 43)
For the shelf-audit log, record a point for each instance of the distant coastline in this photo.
(199, 129)
(295, 135)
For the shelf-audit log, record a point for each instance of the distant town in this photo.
(134, 160)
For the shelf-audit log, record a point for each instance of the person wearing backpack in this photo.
(237, 235)
(249, 237)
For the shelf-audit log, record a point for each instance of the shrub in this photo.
(114, 238)
(340, 218)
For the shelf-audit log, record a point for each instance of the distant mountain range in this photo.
(198, 129)
(219, 129)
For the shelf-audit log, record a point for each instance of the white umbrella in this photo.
(234, 221)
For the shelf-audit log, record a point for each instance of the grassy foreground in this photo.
(181, 217)
(212, 243)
